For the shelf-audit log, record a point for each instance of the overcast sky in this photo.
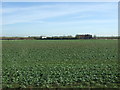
(51, 19)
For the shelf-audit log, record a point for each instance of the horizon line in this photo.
(63, 35)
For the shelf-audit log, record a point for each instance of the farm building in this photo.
(86, 36)
(43, 37)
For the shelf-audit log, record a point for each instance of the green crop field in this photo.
(60, 64)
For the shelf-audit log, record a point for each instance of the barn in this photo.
(86, 36)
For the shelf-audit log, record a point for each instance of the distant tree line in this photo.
(86, 36)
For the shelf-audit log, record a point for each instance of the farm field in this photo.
(60, 64)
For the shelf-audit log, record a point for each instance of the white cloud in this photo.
(84, 22)
(38, 13)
